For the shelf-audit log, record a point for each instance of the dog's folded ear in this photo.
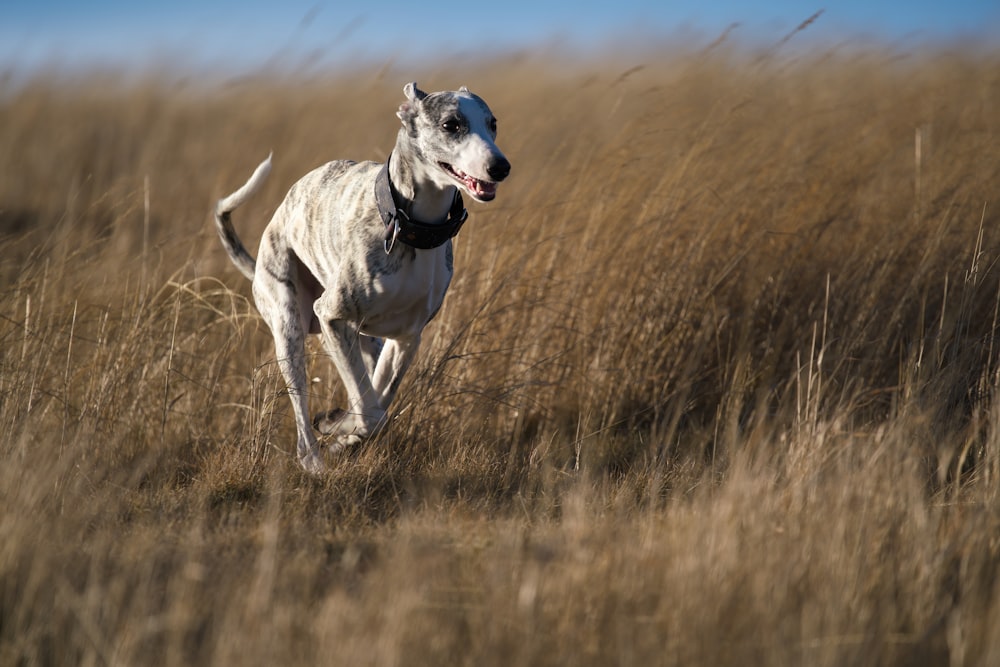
(413, 96)
(413, 93)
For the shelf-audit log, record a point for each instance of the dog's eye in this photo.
(450, 126)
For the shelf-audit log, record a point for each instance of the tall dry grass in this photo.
(714, 383)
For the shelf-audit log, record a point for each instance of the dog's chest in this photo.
(401, 301)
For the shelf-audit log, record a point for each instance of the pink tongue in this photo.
(484, 188)
(476, 185)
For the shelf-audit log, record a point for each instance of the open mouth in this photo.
(481, 190)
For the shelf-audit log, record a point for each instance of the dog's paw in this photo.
(312, 463)
(328, 423)
(344, 443)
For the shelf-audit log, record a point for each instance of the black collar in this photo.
(399, 226)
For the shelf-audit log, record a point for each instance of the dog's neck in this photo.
(424, 199)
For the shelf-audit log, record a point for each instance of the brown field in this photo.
(714, 383)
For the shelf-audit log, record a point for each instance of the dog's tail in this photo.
(243, 260)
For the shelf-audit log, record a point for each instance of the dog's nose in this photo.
(499, 169)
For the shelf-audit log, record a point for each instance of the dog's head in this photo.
(454, 134)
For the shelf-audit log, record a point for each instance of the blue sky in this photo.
(243, 35)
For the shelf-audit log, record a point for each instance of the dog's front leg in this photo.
(346, 349)
(371, 348)
(397, 355)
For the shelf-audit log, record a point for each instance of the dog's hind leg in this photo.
(275, 290)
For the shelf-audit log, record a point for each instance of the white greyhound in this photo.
(361, 251)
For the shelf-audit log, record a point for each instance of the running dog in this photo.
(361, 253)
